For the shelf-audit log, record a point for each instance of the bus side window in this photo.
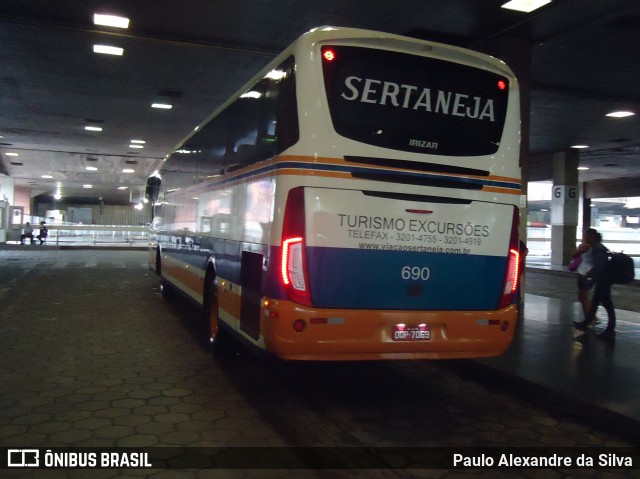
(260, 124)
(287, 132)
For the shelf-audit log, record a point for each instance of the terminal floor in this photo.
(91, 355)
(596, 378)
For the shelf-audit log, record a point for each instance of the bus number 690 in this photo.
(416, 273)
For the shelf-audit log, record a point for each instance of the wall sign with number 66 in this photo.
(422, 273)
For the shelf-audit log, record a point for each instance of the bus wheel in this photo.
(158, 263)
(165, 288)
(217, 334)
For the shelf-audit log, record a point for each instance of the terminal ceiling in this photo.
(194, 54)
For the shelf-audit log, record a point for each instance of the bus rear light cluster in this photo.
(512, 274)
(293, 261)
(292, 264)
(513, 271)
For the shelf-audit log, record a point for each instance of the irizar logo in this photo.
(430, 145)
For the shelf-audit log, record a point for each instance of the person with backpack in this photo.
(600, 275)
(582, 263)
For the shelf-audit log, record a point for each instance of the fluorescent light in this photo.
(91, 168)
(93, 128)
(583, 168)
(87, 186)
(58, 195)
(122, 187)
(12, 154)
(139, 142)
(47, 177)
(136, 146)
(580, 147)
(620, 114)
(526, 6)
(139, 206)
(110, 20)
(128, 170)
(108, 50)
(162, 106)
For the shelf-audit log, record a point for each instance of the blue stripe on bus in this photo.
(274, 167)
(365, 279)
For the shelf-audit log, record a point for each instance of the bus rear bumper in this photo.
(296, 332)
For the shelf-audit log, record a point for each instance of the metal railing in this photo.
(616, 239)
(98, 235)
(66, 233)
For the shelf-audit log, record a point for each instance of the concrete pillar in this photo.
(564, 206)
(586, 207)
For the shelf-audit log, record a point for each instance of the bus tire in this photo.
(158, 263)
(166, 289)
(217, 336)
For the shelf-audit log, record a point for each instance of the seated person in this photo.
(44, 232)
(27, 233)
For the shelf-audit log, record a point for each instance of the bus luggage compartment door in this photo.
(251, 281)
(373, 252)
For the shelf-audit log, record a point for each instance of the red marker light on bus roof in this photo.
(329, 55)
(502, 85)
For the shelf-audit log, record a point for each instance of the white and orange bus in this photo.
(358, 199)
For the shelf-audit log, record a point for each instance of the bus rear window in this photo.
(413, 103)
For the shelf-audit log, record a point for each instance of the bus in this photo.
(356, 200)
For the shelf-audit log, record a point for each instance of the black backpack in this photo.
(621, 268)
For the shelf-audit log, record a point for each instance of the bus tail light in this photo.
(293, 261)
(292, 264)
(512, 276)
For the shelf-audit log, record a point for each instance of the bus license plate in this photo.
(418, 333)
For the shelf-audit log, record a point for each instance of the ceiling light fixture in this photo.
(122, 187)
(47, 177)
(136, 146)
(93, 128)
(580, 147)
(526, 6)
(110, 20)
(162, 106)
(583, 168)
(11, 153)
(86, 187)
(620, 114)
(128, 170)
(91, 168)
(108, 50)
(139, 142)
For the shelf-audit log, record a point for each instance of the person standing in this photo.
(585, 253)
(600, 274)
